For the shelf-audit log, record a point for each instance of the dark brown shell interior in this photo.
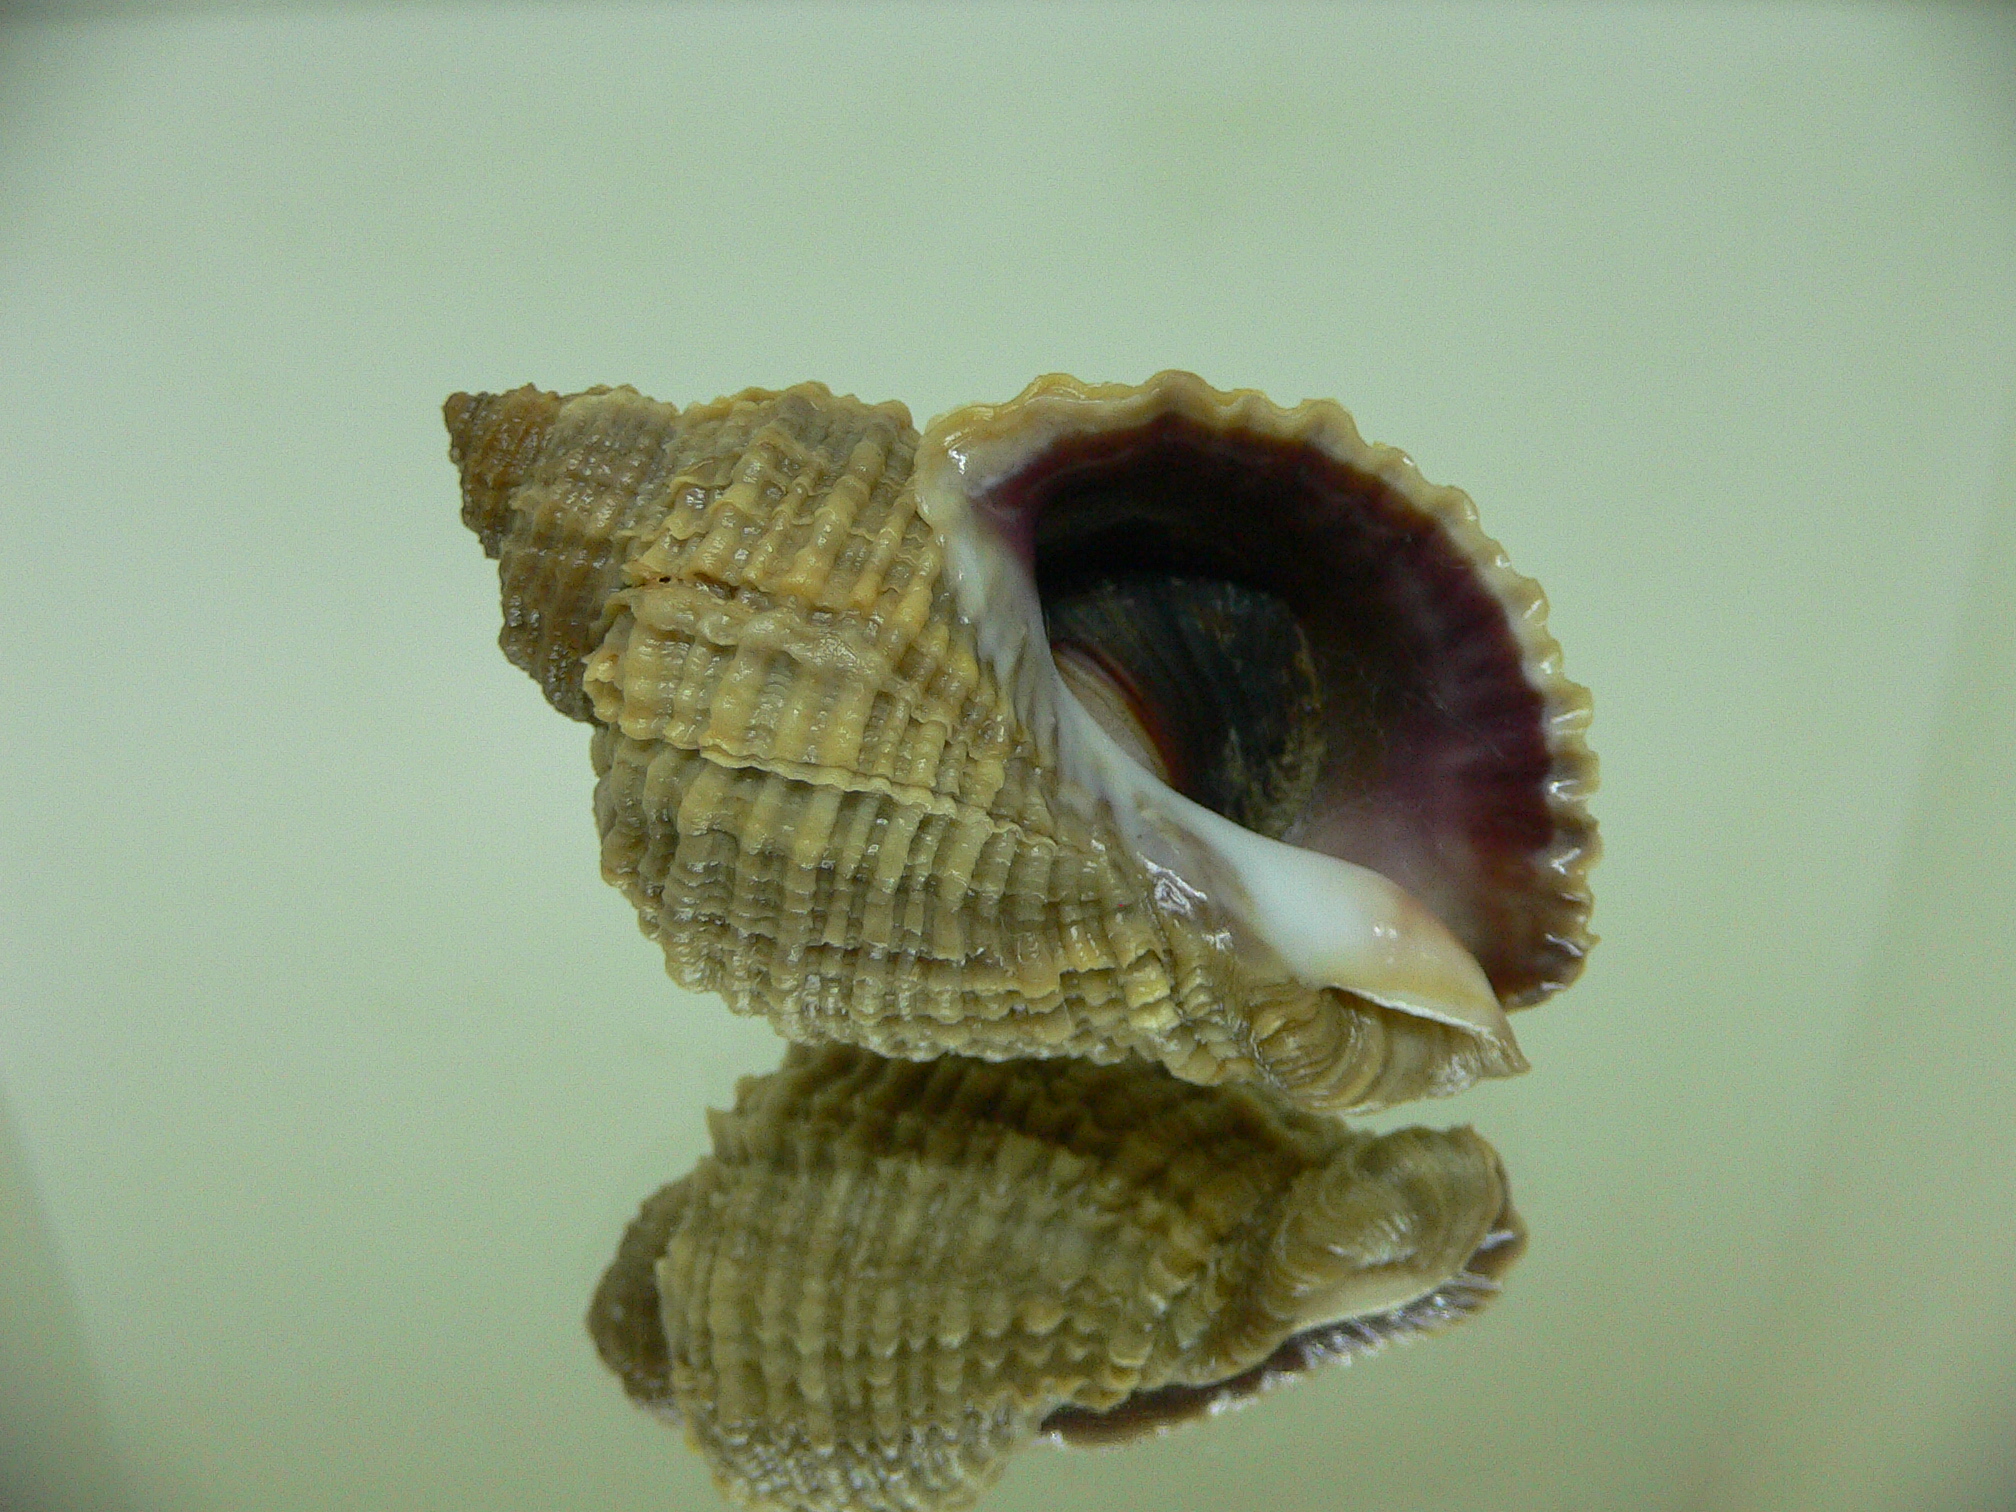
(1437, 766)
(1219, 680)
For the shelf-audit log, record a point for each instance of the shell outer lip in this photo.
(966, 452)
(1364, 934)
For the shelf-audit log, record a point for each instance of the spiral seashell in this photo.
(890, 1275)
(1111, 720)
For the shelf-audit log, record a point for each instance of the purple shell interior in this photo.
(1438, 764)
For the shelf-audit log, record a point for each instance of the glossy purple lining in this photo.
(1438, 761)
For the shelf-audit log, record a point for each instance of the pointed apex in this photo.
(493, 438)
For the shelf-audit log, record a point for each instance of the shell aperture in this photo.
(1210, 684)
(1452, 752)
(889, 1275)
(845, 784)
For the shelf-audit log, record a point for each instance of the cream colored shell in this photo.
(835, 800)
(889, 1275)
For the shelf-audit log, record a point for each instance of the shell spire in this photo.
(848, 787)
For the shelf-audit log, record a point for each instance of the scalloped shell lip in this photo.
(966, 457)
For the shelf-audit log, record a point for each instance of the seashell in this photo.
(1296, 797)
(890, 1275)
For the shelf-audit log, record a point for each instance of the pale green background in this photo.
(332, 1071)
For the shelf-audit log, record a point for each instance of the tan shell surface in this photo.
(815, 786)
(889, 1274)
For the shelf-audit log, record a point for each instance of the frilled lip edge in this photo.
(1157, 1411)
(966, 454)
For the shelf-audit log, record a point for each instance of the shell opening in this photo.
(1440, 750)
(1427, 748)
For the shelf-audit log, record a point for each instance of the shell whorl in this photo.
(889, 1275)
(840, 779)
(565, 491)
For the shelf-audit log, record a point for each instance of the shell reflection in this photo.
(889, 1275)
(1155, 721)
